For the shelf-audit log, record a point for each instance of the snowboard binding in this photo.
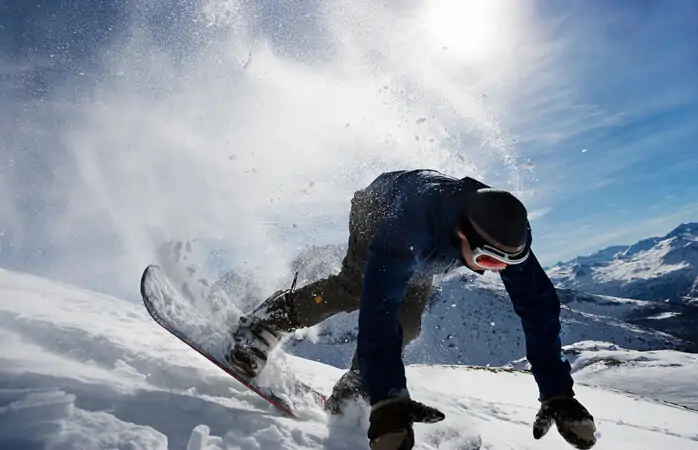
(251, 344)
(259, 333)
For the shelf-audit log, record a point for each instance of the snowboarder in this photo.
(404, 228)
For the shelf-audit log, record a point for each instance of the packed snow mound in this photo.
(664, 375)
(83, 370)
(658, 268)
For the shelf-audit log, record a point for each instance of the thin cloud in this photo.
(571, 241)
(538, 213)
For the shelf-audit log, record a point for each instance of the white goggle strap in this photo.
(499, 255)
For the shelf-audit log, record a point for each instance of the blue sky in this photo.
(248, 125)
(629, 170)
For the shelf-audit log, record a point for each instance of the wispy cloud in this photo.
(612, 122)
(585, 238)
(538, 213)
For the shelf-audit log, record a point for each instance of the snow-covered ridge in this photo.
(471, 321)
(79, 370)
(657, 268)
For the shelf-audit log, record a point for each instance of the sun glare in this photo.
(474, 29)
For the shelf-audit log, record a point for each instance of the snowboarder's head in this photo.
(493, 230)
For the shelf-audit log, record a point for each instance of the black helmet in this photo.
(496, 217)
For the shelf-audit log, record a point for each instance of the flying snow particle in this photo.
(246, 64)
(528, 164)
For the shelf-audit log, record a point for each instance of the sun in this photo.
(474, 29)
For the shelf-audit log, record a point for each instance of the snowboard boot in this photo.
(349, 388)
(259, 333)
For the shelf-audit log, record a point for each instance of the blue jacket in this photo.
(416, 236)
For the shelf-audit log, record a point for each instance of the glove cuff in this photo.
(568, 394)
(401, 395)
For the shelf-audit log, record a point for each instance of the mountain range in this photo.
(658, 268)
(640, 296)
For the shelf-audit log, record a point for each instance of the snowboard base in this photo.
(197, 326)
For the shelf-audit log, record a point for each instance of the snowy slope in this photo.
(80, 370)
(657, 268)
(663, 374)
(471, 321)
(605, 305)
(676, 319)
(475, 323)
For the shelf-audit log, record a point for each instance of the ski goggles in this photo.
(490, 258)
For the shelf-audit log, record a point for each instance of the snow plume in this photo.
(243, 128)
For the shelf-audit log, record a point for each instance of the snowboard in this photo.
(203, 323)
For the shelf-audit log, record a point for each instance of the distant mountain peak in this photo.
(655, 268)
(684, 230)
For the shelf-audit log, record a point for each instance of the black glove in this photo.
(391, 422)
(574, 423)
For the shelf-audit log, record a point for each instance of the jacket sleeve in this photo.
(393, 259)
(536, 302)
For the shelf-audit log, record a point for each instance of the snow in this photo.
(664, 315)
(664, 374)
(80, 370)
(604, 305)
